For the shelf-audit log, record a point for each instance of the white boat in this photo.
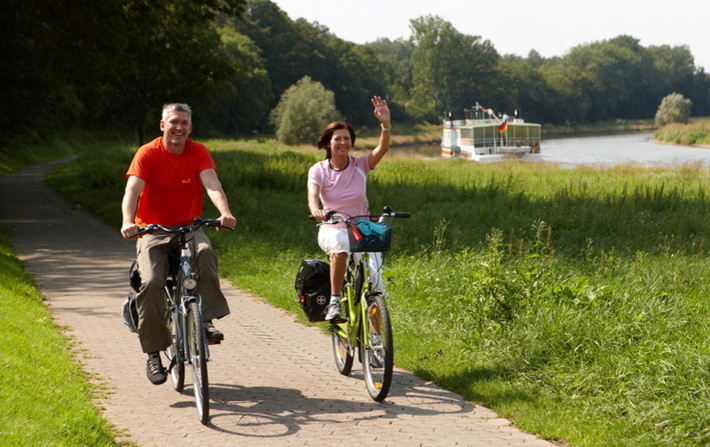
(483, 136)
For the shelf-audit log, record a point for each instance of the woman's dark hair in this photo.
(327, 135)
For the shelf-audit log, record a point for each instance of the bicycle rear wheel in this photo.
(378, 348)
(198, 359)
(175, 355)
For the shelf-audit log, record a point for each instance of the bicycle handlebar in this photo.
(386, 212)
(197, 223)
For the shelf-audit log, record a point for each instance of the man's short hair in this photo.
(177, 107)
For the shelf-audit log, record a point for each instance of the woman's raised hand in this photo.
(382, 111)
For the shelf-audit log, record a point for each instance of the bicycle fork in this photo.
(188, 285)
(184, 305)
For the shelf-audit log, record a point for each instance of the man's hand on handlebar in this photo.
(227, 221)
(129, 231)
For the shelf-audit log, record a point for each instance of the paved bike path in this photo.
(273, 381)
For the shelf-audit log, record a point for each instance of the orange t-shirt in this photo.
(173, 190)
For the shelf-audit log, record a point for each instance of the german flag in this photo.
(503, 127)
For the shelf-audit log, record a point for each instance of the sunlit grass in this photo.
(45, 397)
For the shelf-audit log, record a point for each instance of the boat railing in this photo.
(473, 122)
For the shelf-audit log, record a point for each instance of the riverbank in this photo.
(695, 133)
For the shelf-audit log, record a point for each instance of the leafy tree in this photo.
(51, 51)
(177, 60)
(568, 102)
(450, 70)
(674, 108)
(286, 55)
(72, 63)
(293, 49)
(701, 92)
(243, 105)
(535, 58)
(675, 67)
(395, 60)
(304, 110)
(523, 88)
(112, 64)
(359, 77)
(613, 71)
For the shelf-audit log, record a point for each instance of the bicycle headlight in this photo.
(189, 283)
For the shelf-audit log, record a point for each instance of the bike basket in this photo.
(367, 236)
(313, 288)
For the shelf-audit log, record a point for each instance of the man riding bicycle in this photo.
(164, 186)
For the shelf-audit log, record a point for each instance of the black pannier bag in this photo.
(129, 309)
(313, 288)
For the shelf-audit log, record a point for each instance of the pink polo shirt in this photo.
(346, 190)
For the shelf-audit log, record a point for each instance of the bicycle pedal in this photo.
(338, 321)
(214, 342)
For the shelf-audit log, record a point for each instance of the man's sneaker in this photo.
(214, 336)
(333, 312)
(154, 369)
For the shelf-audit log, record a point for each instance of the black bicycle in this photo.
(184, 316)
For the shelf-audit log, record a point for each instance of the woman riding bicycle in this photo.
(340, 183)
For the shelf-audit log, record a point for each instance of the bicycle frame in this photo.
(366, 324)
(352, 300)
(184, 317)
(178, 307)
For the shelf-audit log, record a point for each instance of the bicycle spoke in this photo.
(198, 359)
(378, 352)
(175, 358)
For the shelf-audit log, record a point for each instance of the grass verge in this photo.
(697, 132)
(46, 399)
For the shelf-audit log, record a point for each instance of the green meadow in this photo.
(571, 301)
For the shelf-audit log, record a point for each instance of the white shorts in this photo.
(333, 239)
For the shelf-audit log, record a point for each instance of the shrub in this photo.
(673, 109)
(304, 110)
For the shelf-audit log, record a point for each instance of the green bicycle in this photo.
(365, 324)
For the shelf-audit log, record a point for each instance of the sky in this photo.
(551, 27)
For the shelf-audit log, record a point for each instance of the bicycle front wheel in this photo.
(342, 351)
(378, 349)
(198, 360)
(175, 355)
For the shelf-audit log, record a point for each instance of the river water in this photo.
(635, 148)
(610, 150)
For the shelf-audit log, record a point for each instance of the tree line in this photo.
(110, 65)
